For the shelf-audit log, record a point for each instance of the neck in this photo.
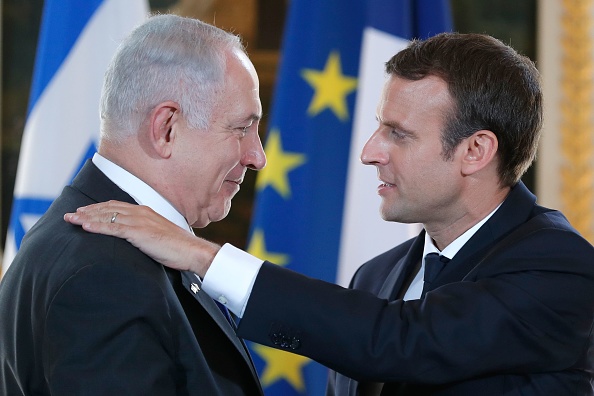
(444, 233)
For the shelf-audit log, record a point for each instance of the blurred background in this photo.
(299, 211)
(260, 23)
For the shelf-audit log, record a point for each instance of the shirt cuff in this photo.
(231, 277)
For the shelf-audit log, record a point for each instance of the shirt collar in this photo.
(142, 193)
(454, 247)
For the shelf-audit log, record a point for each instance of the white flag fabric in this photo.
(76, 42)
(364, 233)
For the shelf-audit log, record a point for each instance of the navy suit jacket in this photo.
(511, 314)
(88, 314)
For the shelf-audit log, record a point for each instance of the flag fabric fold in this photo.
(76, 42)
(316, 209)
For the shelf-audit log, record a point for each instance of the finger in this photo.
(106, 207)
(113, 229)
(73, 218)
(80, 218)
(108, 212)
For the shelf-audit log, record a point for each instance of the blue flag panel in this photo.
(298, 214)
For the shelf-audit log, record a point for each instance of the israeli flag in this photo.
(76, 42)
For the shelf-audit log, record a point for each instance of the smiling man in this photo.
(88, 314)
(493, 297)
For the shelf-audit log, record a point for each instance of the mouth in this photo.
(235, 182)
(384, 187)
(236, 177)
(384, 183)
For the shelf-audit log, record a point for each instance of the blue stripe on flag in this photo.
(36, 207)
(432, 17)
(62, 22)
(91, 150)
(298, 212)
(410, 19)
(29, 206)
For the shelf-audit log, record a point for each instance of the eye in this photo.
(242, 131)
(246, 127)
(398, 134)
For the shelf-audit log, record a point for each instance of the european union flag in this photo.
(316, 211)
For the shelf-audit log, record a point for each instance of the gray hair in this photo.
(167, 58)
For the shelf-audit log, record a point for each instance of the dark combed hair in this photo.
(493, 88)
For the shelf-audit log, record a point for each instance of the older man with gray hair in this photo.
(91, 314)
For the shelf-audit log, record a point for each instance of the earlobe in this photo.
(163, 121)
(480, 151)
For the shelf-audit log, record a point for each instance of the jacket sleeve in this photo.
(526, 308)
(107, 333)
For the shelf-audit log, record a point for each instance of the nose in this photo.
(253, 156)
(372, 153)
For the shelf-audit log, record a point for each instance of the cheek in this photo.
(410, 166)
(427, 174)
(442, 181)
(213, 166)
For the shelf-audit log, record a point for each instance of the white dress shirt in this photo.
(234, 291)
(142, 193)
(416, 286)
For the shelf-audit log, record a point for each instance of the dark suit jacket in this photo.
(511, 314)
(87, 314)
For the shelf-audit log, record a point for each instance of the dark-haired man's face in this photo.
(416, 184)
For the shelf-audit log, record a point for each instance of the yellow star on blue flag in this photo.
(257, 248)
(281, 365)
(301, 198)
(279, 164)
(331, 88)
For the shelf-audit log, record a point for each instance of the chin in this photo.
(394, 216)
(386, 213)
(219, 214)
(200, 224)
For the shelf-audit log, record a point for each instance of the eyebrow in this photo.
(395, 125)
(253, 117)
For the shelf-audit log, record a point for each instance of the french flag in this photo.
(317, 208)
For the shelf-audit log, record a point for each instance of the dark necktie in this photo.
(434, 263)
(226, 313)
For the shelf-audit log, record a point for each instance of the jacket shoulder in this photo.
(375, 271)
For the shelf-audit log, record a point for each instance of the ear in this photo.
(480, 151)
(163, 122)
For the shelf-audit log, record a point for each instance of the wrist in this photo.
(203, 254)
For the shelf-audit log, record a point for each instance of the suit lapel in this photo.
(514, 211)
(402, 269)
(93, 183)
(192, 284)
